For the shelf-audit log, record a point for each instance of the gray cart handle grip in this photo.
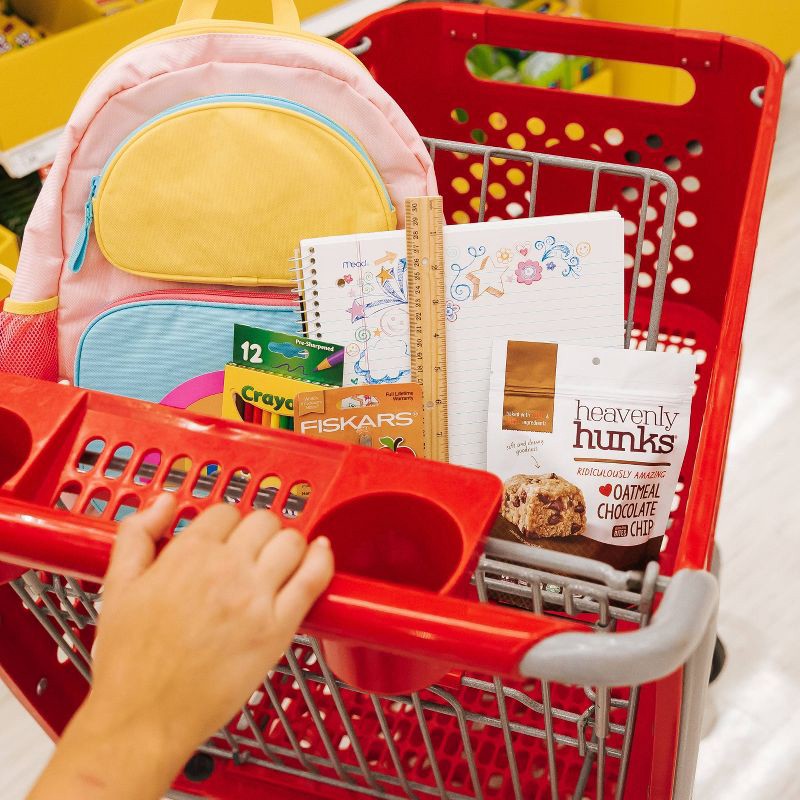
(635, 657)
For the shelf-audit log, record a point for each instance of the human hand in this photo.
(184, 638)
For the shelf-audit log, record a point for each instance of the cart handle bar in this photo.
(467, 635)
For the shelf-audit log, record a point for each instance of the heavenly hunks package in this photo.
(589, 443)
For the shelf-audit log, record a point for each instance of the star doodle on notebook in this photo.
(488, 278)
(356, 310)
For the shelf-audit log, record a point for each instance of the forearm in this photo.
(99, 758)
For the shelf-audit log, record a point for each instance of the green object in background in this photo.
(532, 68)
(495, 63)
(545, 69)
(284, 354)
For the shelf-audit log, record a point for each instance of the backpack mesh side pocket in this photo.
(29, 344)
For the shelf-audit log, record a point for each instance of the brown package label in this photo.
(530, 387)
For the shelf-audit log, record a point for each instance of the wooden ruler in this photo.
(426, 309)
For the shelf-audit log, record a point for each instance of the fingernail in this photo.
(322, 541)
(161, 501)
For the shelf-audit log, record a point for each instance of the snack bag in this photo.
(589, 443)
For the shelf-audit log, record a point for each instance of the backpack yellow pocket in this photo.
(223, 188)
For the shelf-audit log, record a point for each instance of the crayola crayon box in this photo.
(248, 391)
(269, 369)
(310, 360)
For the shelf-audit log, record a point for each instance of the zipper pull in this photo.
(78, 254)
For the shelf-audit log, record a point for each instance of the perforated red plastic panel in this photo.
(717, 148)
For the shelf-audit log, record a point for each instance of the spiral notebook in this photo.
(554, 279)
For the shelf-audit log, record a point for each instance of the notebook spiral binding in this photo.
(308, 305)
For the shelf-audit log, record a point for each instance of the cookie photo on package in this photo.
(589, 443)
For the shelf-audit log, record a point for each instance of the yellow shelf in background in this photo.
(40, 84)
(602, 83)
(774, 24)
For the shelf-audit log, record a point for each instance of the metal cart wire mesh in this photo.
(611, 709)
(475, 736)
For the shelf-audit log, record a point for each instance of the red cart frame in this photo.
(307, 734)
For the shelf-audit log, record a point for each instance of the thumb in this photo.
(135, 546)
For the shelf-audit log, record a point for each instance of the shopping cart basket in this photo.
(598, 692)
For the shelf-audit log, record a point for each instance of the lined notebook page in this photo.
(554, 279)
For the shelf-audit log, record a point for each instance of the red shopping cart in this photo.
(595, 687)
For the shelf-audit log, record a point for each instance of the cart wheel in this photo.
(717, 660)
(199, 767)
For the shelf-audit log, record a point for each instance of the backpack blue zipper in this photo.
(78, 253)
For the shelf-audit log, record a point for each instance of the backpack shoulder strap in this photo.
(284, 12)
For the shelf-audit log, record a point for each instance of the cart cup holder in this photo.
(397, 538)
(16, 443)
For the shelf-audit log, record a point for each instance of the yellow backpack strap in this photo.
(7, 274)
(284, 12)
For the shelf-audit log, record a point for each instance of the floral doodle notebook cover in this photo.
(557, 279)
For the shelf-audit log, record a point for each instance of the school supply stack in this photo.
(543, 278)
(507, 326)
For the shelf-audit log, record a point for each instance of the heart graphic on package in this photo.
(523, 248)
(606, 490)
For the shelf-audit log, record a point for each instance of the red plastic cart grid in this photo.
(476, 736)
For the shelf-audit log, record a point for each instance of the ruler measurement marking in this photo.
(426, 291)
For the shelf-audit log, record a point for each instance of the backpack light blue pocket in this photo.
(172, 348)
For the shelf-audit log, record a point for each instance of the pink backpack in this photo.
(191, 166)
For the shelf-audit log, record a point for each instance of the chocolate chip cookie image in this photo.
(544, 506)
